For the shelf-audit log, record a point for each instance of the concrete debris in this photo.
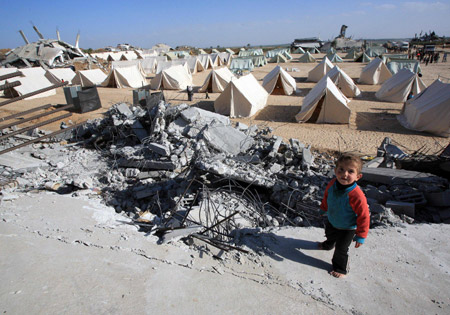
(180, 171)
(47, 53)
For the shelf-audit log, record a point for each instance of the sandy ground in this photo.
(61, 254)
(370, 122)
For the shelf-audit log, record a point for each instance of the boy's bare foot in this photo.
(337, 274)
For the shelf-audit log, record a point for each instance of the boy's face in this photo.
(347, 173)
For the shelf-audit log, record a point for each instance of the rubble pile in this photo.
(182, 171)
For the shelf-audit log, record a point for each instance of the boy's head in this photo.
(348, 169)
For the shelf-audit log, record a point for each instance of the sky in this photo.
(211, 23)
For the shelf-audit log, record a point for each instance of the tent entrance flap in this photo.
(315, 115)
(278, 89)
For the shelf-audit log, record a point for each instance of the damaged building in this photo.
(47, 53)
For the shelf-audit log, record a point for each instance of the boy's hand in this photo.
(357, 244)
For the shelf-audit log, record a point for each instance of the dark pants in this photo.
(340, 240)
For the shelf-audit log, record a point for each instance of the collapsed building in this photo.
(47, 53)
(181, 171)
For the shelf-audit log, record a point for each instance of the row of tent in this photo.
(198, 63)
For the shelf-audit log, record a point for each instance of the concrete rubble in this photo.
(179, 171)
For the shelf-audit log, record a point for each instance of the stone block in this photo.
(159, 149)
(400, 207)
(439, 199)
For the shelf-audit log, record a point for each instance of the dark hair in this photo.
(347, 157)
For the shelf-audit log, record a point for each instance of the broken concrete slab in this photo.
(227, 139)
(399, 207)
(374, 163)
(439, 199)
(390, 176)
(192, 114)
(159, 149)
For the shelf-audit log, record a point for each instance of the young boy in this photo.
(347, 210)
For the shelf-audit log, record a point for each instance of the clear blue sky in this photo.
(210, 23)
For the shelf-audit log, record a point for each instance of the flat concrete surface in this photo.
(61, 254)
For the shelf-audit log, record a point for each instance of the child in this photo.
(348, 213)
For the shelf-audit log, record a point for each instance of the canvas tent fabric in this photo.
(274, 52)
(299, 50)
(171, 55)
(363, 58)
(429, 110)
(59, 75)
(396, 65)
(307, 58)
(241, 64)
(162, 65)
(243, 97)
(397, 88)
(125, 77)
(228, 50)
(279, 82)
(206, 61)
(217, 80)
(278, 58)
(88, 78)
(325, 103)
(174, 78)
(128, 63)
(287, 55)
(34, 79)
(352, 54)
(375, 51)
(374, 73)
(343, 82)
(225, 57)
(314, 50)
(335, 58)
(320, 70)
(194, 64)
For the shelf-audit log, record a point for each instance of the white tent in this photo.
(241, 98)
(149, 64)
(87, 78)
(306, 58)
(397, 88)
(228, 50)
(206, 61)
(320, 70)
(194, 64)
(335, 58)
(174, 78)
(279, 82)
(343, 82)
(429, 110)
(374, 73)
(34, 79)
(125, 77)
(278, 58)
(217, 80)
(58, 75)
(325, 103)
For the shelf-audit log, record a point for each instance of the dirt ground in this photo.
(370, 122)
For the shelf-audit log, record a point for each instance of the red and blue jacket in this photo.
(347, 209)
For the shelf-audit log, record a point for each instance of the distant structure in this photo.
(306, 43)
(47, 53)
(343, 43)
(343, 29)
